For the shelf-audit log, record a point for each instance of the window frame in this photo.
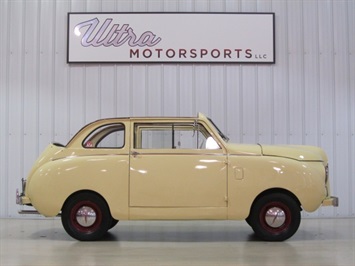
(99, 133)
(138, 128)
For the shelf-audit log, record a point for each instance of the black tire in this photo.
(86, 217)
(275, 217)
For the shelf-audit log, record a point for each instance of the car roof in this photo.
(199, 115)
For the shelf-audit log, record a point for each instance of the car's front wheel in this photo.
(86, 217)
(275, 217)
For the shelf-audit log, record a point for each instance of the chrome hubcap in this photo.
(86, 216)
(275, 217)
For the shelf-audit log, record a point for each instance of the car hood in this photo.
(295, 152)
(244, 149)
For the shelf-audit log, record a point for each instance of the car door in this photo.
(170, 166)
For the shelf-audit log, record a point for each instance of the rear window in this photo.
(108, 136)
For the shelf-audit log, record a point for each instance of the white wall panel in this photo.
(351, 100)
(307, 97)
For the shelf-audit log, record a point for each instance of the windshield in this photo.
(224, 137)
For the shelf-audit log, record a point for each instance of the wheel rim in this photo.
(275, 217)
(86, 217)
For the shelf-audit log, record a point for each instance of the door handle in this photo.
(134, 154)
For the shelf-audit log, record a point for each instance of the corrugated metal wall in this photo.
(307, 97)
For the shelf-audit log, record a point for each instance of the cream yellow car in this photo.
(166, 168)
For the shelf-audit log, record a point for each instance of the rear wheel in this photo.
(275, 217)
(86, 217)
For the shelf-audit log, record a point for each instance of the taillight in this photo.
(326, 174)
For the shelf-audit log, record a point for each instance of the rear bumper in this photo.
(331, 201)
(21, 199)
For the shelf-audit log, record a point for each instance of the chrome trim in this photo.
(33, 212)
(18, 198)
(28, 212)
(176, 153)
(20, 195)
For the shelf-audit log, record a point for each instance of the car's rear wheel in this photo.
(275, 217)
(86, 217)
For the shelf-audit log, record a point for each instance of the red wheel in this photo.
(275, 217)
(86, 217)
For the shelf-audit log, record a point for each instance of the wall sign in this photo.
(171, 38)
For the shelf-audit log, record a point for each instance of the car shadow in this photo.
(177, 232)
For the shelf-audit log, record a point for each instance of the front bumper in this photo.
(331, 201)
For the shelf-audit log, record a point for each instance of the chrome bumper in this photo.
(20, 197)
(331, 201)
(22, 200)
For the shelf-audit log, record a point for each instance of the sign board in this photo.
(171, 38)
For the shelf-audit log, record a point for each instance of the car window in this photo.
(173, 136)
(107, 136)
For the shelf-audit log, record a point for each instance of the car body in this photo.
(174, 168)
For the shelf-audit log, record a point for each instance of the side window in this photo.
(173, 136)
(109, 136)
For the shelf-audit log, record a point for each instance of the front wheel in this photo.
(275, 217)
(86, 217)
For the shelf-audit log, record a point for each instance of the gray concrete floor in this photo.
(44, 242)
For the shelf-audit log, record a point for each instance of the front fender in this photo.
(248, 177)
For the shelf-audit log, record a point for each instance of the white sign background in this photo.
(172, 38)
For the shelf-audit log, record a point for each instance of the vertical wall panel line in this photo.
(115, 91)
(318, 88)
(38, 66)
(348, 82)
(70, 7)
(225, 98)
(178, 90)
(162, 90)
(333, 102)
(209, 88)
(193, 93)
(303, 71)
(54, 63)
(7, 110)
(318, 82)
(257, 115)
(273, 110)
(241, 114)
(22, 75)
(287, 76)
(272, 84)
(130, 89)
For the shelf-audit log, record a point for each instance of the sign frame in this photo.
(103, 32)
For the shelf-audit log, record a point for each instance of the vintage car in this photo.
(166, 168)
